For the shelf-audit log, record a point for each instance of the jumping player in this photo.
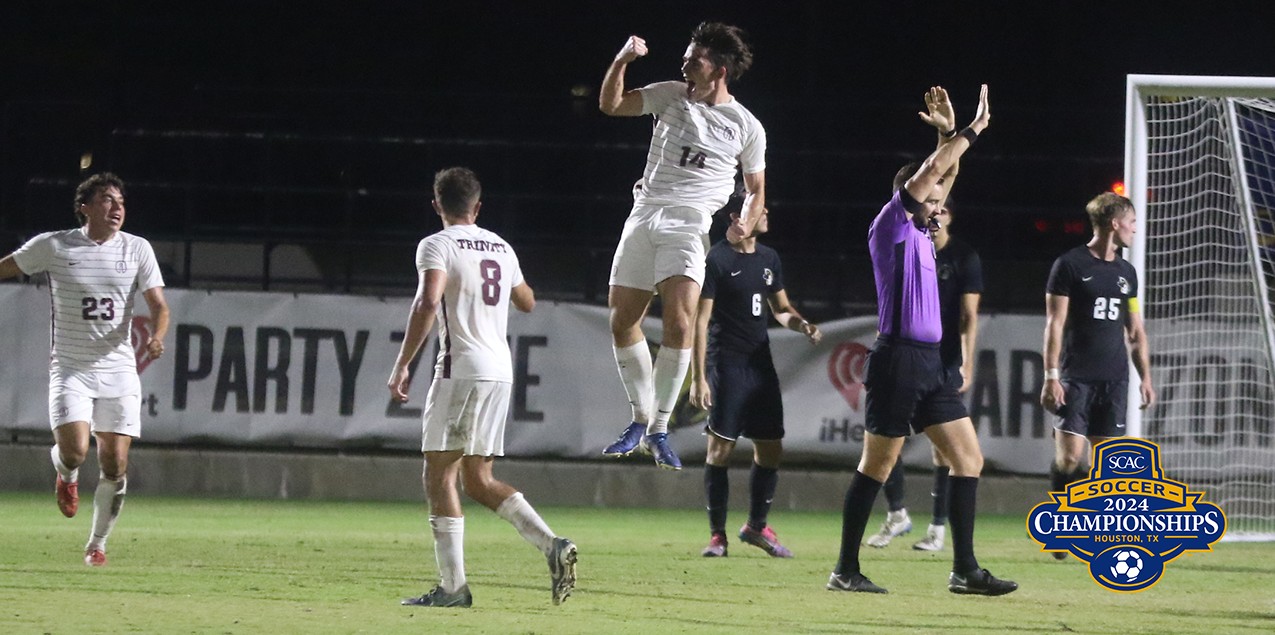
(734, 376)
(1091, 306)
(905, 382)
(469, 276)
(94, 272)
(701, 137)
(960, 275)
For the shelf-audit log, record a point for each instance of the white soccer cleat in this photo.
(933, 540)
(896, 524)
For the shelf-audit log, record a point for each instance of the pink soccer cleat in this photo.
(765, 539)
(95, 558)
(68, 497)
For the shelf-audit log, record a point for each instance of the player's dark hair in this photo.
(86, 191)
(1107, 207)
(727, 47)
(901, 177)
(456, 189)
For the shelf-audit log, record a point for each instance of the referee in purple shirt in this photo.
(906, 390)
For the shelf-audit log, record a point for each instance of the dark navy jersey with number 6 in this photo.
(1101, 296)
(739, 286)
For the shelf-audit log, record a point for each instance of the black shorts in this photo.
(1094, 408)
(746, 401)
(909, 389)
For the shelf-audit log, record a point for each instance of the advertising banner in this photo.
(309, 371)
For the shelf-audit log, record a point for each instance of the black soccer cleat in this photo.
(438, 597)
(979, 582)
(855, 582)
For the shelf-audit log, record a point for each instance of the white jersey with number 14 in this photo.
(481, 271)
(696, 149)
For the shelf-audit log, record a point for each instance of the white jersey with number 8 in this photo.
(481, 270)
(93, 288)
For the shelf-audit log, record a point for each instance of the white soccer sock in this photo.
(449, 550)
(107, 501)
(634, 363)
(68, 475)
(670, 373)
(519, 513)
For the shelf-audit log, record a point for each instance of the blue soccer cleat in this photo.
(562, 568)
(657, 445)
(627, 442)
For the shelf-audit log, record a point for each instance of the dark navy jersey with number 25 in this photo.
(1101, 296)
(739, 285)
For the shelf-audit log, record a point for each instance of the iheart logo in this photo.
(846, 368)
(141, 335)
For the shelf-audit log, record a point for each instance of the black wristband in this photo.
(969, 135)
(949, 134)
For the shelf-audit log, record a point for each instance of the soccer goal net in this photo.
(1200, 169)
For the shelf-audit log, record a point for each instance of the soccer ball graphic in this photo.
(1128, 566)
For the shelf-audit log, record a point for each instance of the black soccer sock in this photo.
(964, 493)
(854, 519)
(1059, 480)
(717, 488)
(761, 484)
(894, 487)
(942, 474)
(1079, 474)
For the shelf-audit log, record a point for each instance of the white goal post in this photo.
(1200, 170)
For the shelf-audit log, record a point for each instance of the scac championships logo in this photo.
(1126, 520)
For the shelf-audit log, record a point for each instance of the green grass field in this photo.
(236, 567)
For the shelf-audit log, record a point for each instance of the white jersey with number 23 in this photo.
(93, 288)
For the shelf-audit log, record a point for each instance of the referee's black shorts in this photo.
(1094, 408)
(909, 389)
(746, 400)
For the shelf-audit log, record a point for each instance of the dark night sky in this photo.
(1055, 56)
(837, 84)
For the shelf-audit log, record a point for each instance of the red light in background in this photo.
(1074, 227)
(1118, 188)
(1042, 226)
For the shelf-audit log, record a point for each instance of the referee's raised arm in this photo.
(945, 156)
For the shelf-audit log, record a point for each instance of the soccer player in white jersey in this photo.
(94, 272)
(468, 276)
(700, 138)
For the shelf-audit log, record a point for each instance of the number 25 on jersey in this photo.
(1106, 308)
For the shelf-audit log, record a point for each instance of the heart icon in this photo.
(141, 335)
(846, 368)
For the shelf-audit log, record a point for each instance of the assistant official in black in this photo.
(1091, 303)
(960, 274)
(732, 375)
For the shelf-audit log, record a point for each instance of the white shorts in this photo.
(659, 243)
(109, 401)
(467, 415)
